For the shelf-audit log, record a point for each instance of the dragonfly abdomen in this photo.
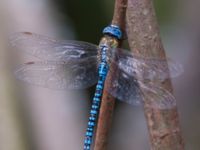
(103, 69)
(108, 42)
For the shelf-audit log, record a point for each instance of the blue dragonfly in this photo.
(67, 64)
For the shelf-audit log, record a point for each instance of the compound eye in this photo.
(114, 31)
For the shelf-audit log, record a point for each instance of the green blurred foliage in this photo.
(89, 17)
(165, 10)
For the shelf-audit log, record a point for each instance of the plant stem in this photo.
(108, 101)
(144, 39)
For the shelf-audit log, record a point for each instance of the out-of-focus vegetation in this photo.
(89, 17)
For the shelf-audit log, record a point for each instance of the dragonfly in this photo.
(68, 64)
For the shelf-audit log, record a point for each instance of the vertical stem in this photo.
(144, 39)
(108, 101)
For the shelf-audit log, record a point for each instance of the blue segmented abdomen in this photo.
(102, 70)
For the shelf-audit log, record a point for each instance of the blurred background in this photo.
(35, 118)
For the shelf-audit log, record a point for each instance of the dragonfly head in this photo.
(114, 31)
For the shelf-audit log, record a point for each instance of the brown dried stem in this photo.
(108, 101)
(144, 39)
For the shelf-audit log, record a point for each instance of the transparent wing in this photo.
(47, 48)
(60, 75)
(146, 68)
(126, 88)
(157, 96)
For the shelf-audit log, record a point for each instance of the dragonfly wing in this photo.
(127, 89)
(157, 96)
(47, 48)
(60, 75)
(124, 87)
(147, 68)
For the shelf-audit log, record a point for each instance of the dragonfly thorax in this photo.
(106, 47)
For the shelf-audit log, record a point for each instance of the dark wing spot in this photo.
(27, 33)
(29, 63)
